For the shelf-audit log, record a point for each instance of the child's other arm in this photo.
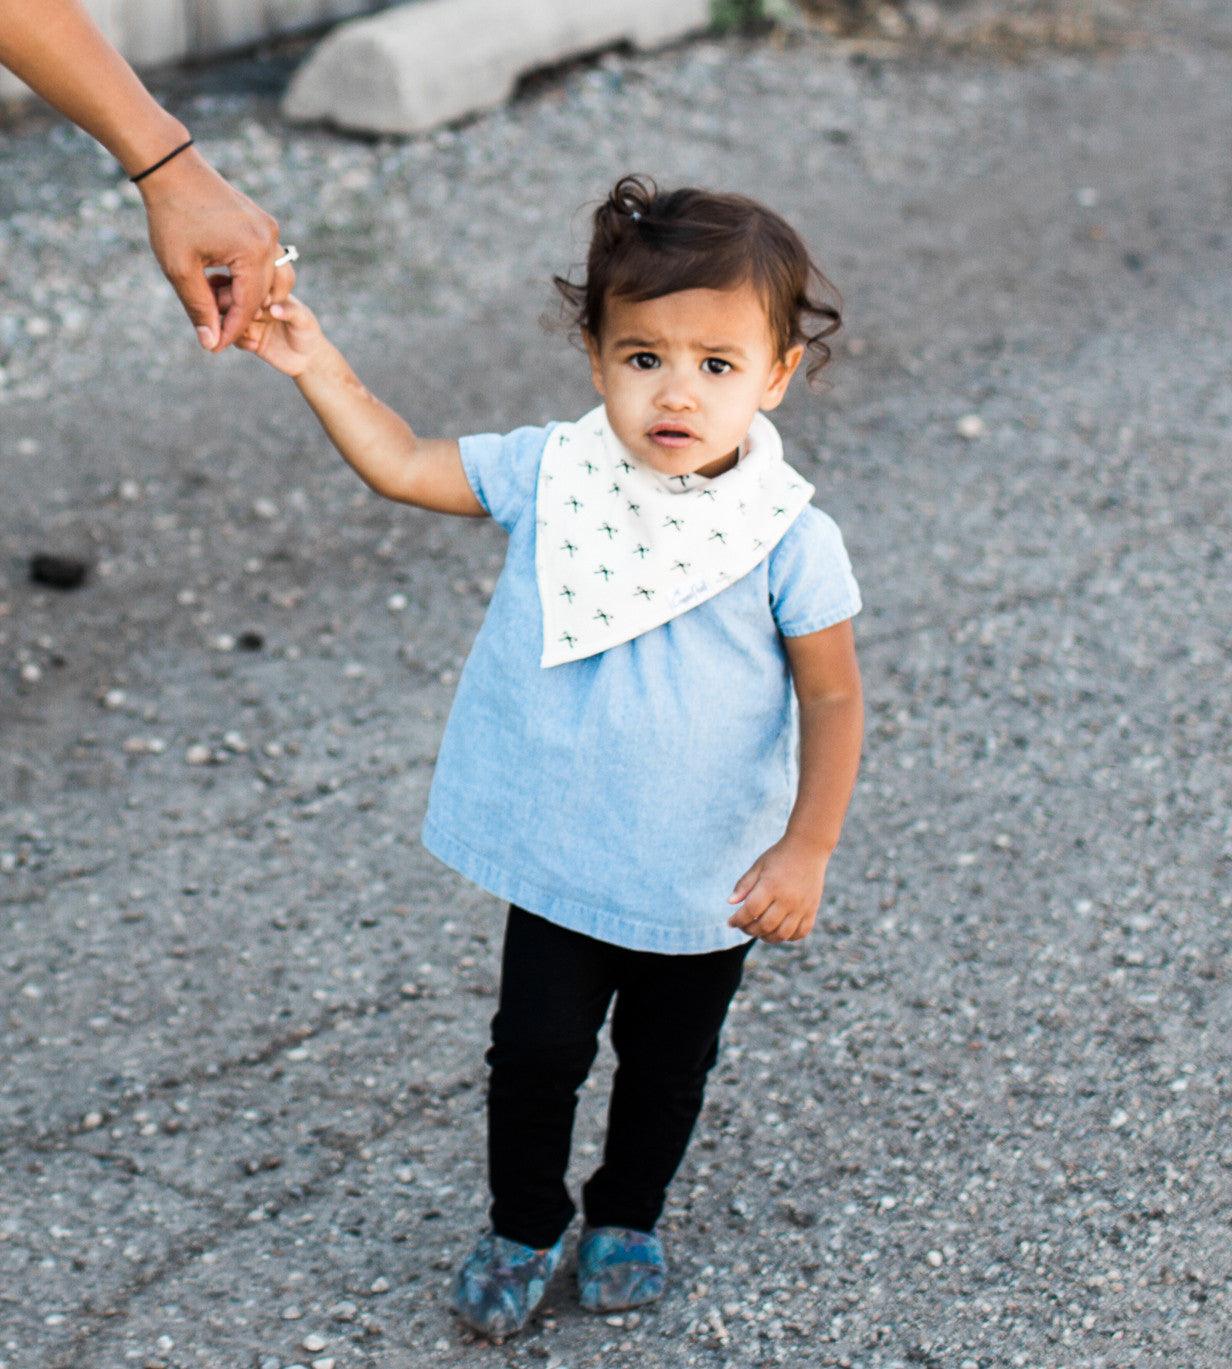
(781, 891)
(828, 690)
(379, 445)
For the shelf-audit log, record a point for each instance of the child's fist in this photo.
(780, 893)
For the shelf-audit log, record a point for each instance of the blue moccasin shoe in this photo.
(501, 1284)
(619, 1268)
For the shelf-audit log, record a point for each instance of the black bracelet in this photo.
(141, 175)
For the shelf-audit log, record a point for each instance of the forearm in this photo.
(56, 48)
(376, 443)
(831, 732)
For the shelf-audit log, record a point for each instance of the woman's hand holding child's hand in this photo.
(781, 892)
(286, 335)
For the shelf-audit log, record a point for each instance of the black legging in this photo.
(556, 985)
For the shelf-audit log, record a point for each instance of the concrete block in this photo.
(427, 63)
(153, 32)
(223, 24)
(11, 89)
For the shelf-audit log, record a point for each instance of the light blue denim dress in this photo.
(623, 795)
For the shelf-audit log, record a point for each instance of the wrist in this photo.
(160, 134)
(809, 843)
(323, 364)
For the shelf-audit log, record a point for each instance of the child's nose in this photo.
(676, 393)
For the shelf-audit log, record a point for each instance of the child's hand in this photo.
(781, 892)
(287, 335)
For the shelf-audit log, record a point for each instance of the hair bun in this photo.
(632, 196)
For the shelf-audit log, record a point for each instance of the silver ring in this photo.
(289, 254)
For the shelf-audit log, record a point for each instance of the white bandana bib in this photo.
(622, 548)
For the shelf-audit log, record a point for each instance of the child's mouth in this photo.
(667, 436)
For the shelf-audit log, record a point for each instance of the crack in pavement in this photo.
(252, 815)
(47, 1137)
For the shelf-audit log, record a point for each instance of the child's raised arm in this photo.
(379, 445)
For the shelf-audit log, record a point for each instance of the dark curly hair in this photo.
(649, 242)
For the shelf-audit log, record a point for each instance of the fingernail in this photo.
(206, 337)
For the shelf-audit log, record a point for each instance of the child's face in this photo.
(683, 375)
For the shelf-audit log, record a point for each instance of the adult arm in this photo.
(195, 218)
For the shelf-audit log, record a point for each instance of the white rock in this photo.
(198, 754)
(971, 427)
(426, 64)
(313, 1343)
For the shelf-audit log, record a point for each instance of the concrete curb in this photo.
(426, 64)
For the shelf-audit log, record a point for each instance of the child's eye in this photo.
(716, 366)
(643, 361)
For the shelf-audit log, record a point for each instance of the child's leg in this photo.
(555, 989)
(665, 1028)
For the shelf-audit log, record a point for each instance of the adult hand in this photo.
(197, 221)
(196, 218)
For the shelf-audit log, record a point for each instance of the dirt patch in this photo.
(1014, 30)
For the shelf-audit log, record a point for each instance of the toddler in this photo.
(656, 734)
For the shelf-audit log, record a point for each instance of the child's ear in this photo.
(596, 370)
(780, 376)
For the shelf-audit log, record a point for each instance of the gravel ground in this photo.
(982, 1117)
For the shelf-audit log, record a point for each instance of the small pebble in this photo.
(292, 1313)
(344, 1311)
(313, 1343)
(198, 754)
(379, 1285)
(971, 427)
(58, 572)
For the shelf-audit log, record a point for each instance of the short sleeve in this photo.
(811, 583)
(503, 470)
